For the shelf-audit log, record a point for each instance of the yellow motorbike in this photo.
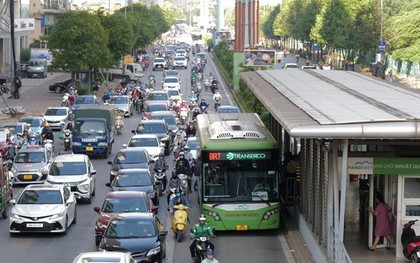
(179, 221)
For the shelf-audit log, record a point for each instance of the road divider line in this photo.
(170, 242)
(285, 247)
(222, 81)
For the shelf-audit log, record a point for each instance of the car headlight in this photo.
(16, 216)
(102, 144)
(84, 187)
(153, 251)
(100, 225)
(77, 143)
(56, 216)
(14, 171)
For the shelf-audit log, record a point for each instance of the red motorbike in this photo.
(410, 242)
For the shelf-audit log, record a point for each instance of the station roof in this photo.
(336, 104)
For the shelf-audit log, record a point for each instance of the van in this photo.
(38, 67)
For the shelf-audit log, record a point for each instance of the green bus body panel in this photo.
(252, 218)
(204, 121)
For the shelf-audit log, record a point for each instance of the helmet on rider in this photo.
(202, 219)
(181, 155)
(203, 100)
(186, 148)
(46, 124)
(174, 175)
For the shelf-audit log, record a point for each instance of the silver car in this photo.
(31, 164)
(43, 208)
(122, 103)
(104, 257)
(76, 171)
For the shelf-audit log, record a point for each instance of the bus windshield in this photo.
(240, 181)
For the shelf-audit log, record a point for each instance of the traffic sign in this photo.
(381, 46)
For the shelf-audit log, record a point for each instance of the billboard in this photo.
(43, 54)
(259, 58)
(24, 24)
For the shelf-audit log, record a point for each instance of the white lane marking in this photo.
(219, 76)
(170, 242)
(286, 249)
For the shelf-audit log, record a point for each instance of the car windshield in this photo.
(143, 142)
(133, 179)
(156, 107)
(36, 63)
(55, 112)
(173, 92)
(171, 80)
(151, 128)
(67, 168)
(130, 228)
(171, 73)
(228, 110)
(32, 122)
(90, 127)
(291, 66)
(124, 205)
(157, 96)
(192, 144)
(118, 100)
(180, 58)
(40, 197)
(159, 60)
(85, 100)
(30, 157)
(168, 118)
(130, 157)
(14, 129)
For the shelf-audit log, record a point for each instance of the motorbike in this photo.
(119, 124)
(179, 221)
(160, 179)
(202, 244)
(194, 82)
(207, 83)
(216, 103)
(95, 85)
(214, 88)
(410, 242)
(66, 100)
(203, 109)
(183, 115)
(184, 179)
(195, 112)
(67, 140)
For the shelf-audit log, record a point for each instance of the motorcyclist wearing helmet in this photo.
(47, 133)
(201, 230)
(174, 183)
(182, 166)
(189, 157)
(33, 140)
(217, 96)
(214, 82)
(184, 105)
(190, 130)
(160, 164)
(210, 257)
(179, 198)
(203, 105)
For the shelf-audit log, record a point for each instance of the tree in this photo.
(121, 36)
(268, 23)
(79, 42)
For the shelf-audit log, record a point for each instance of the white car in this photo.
(74, 170)
(43, 208)
(192, 143)
(56, 116)
(160, 63)
(180, 62)
(104, 257)
(122, 103)
(291, 66)
(174, 94)
(171, 83)
(150, 142)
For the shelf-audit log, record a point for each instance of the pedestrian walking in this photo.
(297, 58)
(383, 226)
(391, 75)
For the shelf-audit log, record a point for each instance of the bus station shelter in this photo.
(356, 137)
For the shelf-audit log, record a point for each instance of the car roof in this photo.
(162, 113)
(81, 258)
(139, 136)
(132, 149)
(171, 77)
(136, 215)
(132, 170)
(152, 121)
(64, 108)
(70, 158)
(43, 187)
(31, 117)
(32, 149)
(158, 91)
(125, 194)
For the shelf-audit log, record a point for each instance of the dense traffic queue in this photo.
(127, 226)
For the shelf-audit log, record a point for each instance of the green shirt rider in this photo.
(201, 230)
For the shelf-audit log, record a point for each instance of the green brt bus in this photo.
(239, 180)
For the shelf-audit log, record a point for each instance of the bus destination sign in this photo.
(237, 156)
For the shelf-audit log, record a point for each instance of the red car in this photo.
(120, 202)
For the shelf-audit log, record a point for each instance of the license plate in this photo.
(34, 225)
(27, 177)
(89, 148)
(241, 227)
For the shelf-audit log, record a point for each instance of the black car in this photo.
(136, 180)
(129, 158)
(158, 127)
(62, 86)
(141, 234)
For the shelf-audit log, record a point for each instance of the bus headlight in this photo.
(269, 213)
(213, 214)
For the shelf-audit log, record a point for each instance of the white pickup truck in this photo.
(129, 71)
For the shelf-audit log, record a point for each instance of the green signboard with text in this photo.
(405, 166)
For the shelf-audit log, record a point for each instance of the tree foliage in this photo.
(79, 42)
(268, 22)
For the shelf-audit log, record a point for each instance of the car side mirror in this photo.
(96, 209)
(93, 171)
(124, 145)
(108, 184)
(133, 131)
(12, 202)
(154, 209)
(109, 162)
(162, 145)
(163, 233)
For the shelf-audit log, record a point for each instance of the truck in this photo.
(129, 71)
(93, 130)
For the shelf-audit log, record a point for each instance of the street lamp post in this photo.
(12, 43)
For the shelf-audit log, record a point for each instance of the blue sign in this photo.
(381, 46)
